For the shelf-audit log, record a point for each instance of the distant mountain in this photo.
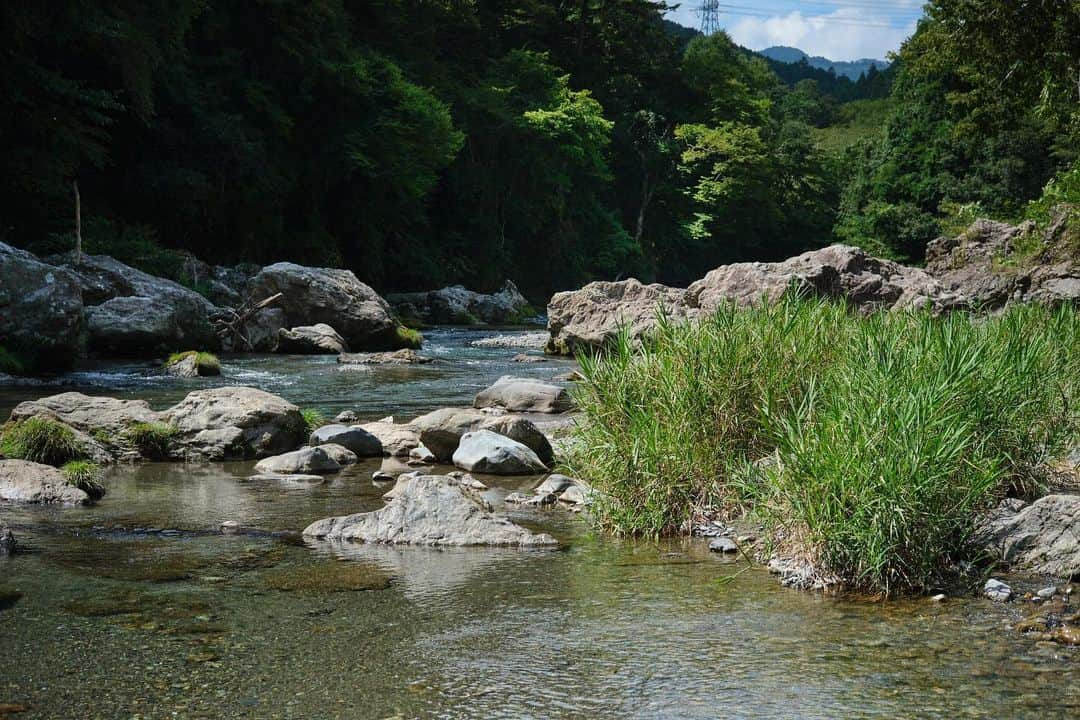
(852, 69)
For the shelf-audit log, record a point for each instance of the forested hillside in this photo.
(423, 143)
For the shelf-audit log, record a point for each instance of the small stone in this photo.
(723, 545)
(347, 417)
(997, 590)
(382, 476)
(1046, 593)
(745, 539)
(940, 597)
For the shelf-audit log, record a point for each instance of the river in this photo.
(138, 607)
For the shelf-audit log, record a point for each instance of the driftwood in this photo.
(230, 322)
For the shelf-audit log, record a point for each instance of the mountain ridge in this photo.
(848, 68)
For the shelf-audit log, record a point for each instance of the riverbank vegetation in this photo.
(423, 144)
(867, 445)
(40, 440)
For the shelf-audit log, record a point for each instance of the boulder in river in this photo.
(192, 364)
(88, 413)
(235, 422)
(305, 461)
(487, 452)
(354, 437)
(523, 431)
(441, 430)
(524, 395)
(405, 356)
(429, 510)
(318, 339)
(397, 439)
(1043, 537)
(29, 482)
(339, 453)
(455, 305)
(41, 309)
(335, 297)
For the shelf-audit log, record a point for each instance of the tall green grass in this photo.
(40, 440)
(890, 432)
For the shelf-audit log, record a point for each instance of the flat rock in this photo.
(88, 413)
(305, 461)
(429, 510)
(318, 339)
(524, 395)
(487, 452)
(354, 437)
(723, 545)
(524, 341)
(28, 482)
(405, 356)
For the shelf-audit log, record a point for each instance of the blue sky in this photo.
(836, 29)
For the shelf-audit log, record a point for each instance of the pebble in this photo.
(940, 597)
(1047, 592)
(381, 476)
(723, 545)
(997, 590)
(230, 527)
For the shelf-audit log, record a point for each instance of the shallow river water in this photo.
(138, 608)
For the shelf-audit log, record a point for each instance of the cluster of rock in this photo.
(456, 305)
(983, 269)
(555, 488)
(1042, 537)
(62, 306)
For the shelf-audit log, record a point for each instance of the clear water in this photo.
(138, 608)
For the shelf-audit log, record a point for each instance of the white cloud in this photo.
(846, 34)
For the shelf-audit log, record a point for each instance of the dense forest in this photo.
(424, 142)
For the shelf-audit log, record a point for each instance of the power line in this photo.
(744, 10)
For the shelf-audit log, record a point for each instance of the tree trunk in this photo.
(78, 222)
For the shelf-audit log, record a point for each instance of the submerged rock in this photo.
(334, 297)
(29, 482)
(235, 422)
(355, 438)
(320, 339)
(405, 356)
(41, 308)
(1043, 537)
(305, 461)
(487, 452)
(429, 510)
(524, 395)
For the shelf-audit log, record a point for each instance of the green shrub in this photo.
(891, 432)
(313, 419)
(41, 440)
(86, 476)
(150, 439)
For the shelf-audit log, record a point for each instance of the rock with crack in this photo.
(1043, 537)
(486, 452)
(235, 422)
(318, 339)
(430, 510)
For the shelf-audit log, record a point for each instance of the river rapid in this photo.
(138, 607)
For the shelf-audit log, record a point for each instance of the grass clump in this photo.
(151, 440)
(313, 420)
(41, 440)
(86, 476)
(408, 338)
(205, 363)
(891, 432)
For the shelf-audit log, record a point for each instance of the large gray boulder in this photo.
(261, 330)
(355, 438)
(235, 422)
(429, 510)
(332, 296)
(320, 339)
(89, 414)
(593, 315)
(41, 309)
(1043, 537)
(130, 312)
(524, 395)
(486, 452)
(837, 271)
(523, 431)
(305, 461)
(30, 482)
(456, 305)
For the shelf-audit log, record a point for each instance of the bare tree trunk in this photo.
(78, 222)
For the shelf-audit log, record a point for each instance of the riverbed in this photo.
(138, 607)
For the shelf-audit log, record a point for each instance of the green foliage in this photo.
(313, 420)
(1062, 190)
(11, 363)
(890, 432)
(86, 476)
(40, 440)
(151, 440)
(408, 338)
